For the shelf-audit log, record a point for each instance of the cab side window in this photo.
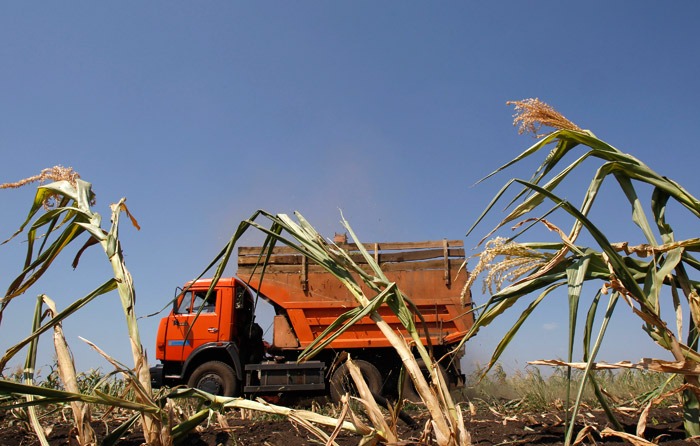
(193, 300)
(208, 307)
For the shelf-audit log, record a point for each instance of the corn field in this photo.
(630, 278)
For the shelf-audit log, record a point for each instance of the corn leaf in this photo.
(608, 315)
(638, 215)
(343, 322)
(113, 437)
(63, 188)
(505, 340)
(181, 429)
(28, 374)
(41, 264)
(575, 275)
(106, 287)
(13, 388)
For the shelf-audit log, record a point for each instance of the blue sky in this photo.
(201, 113)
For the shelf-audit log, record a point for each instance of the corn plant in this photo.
(636, 274)
(68, 214)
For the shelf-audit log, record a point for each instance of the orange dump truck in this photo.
(224, 353)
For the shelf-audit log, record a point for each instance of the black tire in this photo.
(342, 383)
(409, 390)
(214, 377)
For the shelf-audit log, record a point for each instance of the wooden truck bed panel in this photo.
(426, 272)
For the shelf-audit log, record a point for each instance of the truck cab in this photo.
(206, 342)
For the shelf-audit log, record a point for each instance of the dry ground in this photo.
(486, 428)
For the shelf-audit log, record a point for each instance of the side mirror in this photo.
(178, 293)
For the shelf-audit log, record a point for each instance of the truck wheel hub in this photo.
(211, 384)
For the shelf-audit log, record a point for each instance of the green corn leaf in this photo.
(43, 192)
(604, 403)
(638, 215)
(52, 224)
(671, 261)
(28, 374)
(10, 387)
(267, 248)
(505, 340)
(181, 430)
(617, 161)
(312, 252)
(488, 208)
(110, 400)
(345, 321)
(42, 263)
(535, 222)
(396, 300)
(84, 195)
(588, 329)
(608, 314)
(106, 287)
(365, 254)
(111, 242)
(691, 261)
(562, 147)
(34, 402)
(63, 188)
(113, 437)
(225, 257)
(575, 275)
(531, 150)
(500, 302)
(536, 199)
(619, 266)
(96, 231)
(659, 200)
(665, 267)
(221, 255)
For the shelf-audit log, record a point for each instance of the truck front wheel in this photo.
(214, 377)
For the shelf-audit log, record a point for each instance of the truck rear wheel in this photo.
(214, 377)
(342, 382)
(409, 390)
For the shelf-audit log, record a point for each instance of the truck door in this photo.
(205, 328)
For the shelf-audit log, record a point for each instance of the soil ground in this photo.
(486, 428)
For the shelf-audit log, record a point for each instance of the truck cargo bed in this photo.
(308, 299)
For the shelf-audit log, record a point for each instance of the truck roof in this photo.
(224, 281)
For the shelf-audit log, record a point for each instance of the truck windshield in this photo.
(187, 306)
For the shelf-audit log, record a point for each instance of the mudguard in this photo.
(230, 349)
